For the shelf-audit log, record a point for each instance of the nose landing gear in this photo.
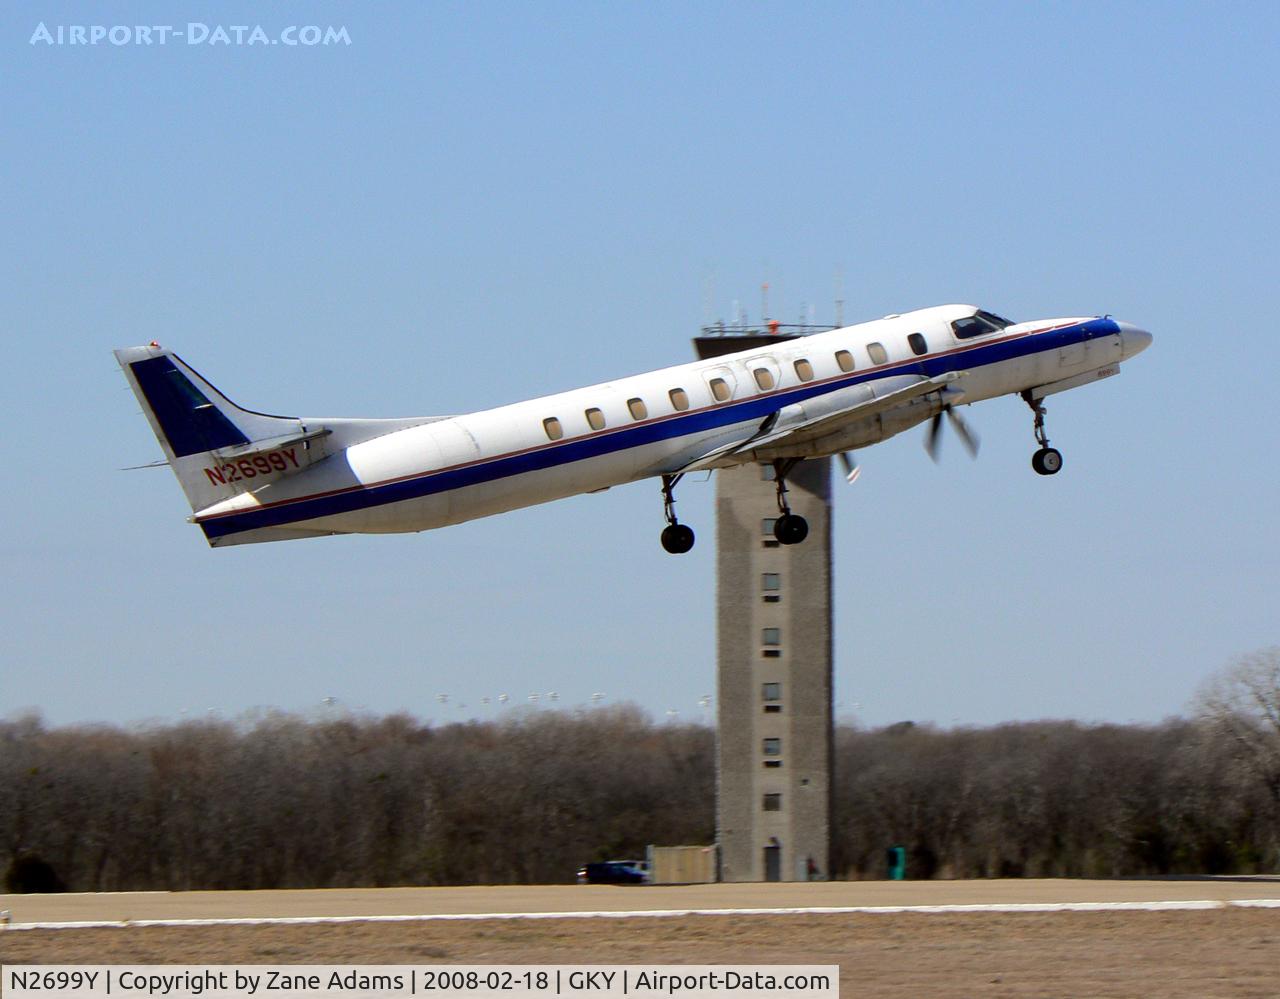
(1047, 460)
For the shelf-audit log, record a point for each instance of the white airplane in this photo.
(251, 477)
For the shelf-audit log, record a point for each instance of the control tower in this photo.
(774, 660)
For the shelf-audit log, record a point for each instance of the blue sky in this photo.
(476, 203)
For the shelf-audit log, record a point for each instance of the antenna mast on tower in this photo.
(839, 299)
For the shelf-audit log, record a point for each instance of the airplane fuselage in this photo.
(251, 477)
(806, 397)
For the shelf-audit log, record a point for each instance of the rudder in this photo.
(200, 429)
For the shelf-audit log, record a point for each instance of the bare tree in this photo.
(1241, 703)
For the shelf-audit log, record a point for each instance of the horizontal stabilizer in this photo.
(271, 443)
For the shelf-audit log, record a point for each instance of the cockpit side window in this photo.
(998, 321)
(979, 324)
(971, 326)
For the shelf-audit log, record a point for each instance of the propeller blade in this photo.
(932, 439)
(851, 469)
(967, 436)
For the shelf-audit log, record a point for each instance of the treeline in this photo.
(288, 802)
(1053, 799)
(291, 802)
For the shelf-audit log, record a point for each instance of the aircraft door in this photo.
(765, 375)
(455, 446)
(721, 383)
(1073, 355)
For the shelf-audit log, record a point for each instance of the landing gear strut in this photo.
(677, 538)
(790, 528)
(1047, 460)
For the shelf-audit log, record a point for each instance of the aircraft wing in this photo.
(777, 431)
(823, 425)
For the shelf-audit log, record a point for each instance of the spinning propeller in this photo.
(967, 437)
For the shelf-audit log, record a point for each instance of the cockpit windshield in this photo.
(978, 324)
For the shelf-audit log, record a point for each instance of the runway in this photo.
(1206, 937)
(480, 902)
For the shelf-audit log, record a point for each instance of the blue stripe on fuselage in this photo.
(609, 442)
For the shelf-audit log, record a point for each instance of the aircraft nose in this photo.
(1133, 340)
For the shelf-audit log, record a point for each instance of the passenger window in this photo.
(639, 410)
(552, 426)
(918, 343)
(804, 370)
(845, 360)
(595, 419)
(720, 389)
(876, 352)
(764, 378)
(679, 399)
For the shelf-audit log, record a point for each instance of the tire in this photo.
(677, 538)
(1047, 461)
(791, 529)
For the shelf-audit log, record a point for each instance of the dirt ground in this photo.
(1223, 952)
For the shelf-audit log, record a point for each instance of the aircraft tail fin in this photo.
(215, 448)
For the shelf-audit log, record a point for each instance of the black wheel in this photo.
(1047, 461)
(791, 529)
(677, 538)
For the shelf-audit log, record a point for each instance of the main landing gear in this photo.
(1047, 460)
(677, 538)
(790, 528)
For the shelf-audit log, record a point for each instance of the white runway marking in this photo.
(871, 910)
